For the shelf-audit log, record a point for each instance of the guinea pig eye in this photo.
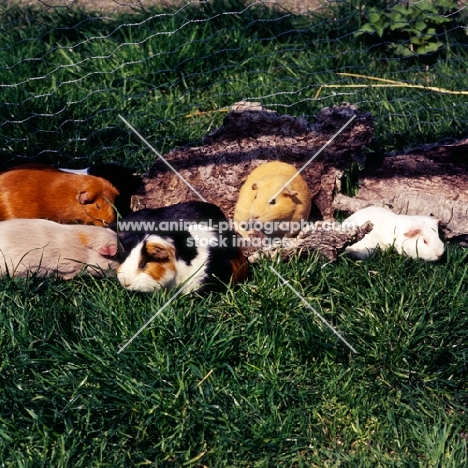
(98, 206)
(272, 201)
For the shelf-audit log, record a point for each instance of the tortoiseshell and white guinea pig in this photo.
(41, 191)
(166, 247)
(46, 248)
(415, 236)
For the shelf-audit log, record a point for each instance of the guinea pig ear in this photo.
(108, 250)
(157, 252)
(412, 233)
(86, 197)
(289, 192)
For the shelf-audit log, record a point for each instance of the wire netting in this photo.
(69, 69)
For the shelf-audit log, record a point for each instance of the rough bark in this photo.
(252, 135)
(431, 180)
(320, 238)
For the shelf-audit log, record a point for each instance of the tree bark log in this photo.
(252, 135)
(320, 238)
(431, 180)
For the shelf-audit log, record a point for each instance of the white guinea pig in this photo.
(415, 236)
(46, 248)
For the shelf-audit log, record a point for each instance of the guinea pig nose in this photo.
(125, 283)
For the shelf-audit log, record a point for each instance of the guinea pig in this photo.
(189, 243)
(270, 196)
(122, 178)
(415, 236)
(39, 191)
(47, 248)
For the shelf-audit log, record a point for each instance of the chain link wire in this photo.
(69, 68)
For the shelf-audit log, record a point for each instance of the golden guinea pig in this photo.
(274, 199)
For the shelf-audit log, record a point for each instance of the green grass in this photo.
(66, 76)
(249, 377)
(246, 378)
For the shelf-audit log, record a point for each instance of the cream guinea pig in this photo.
(415, 236)
(270, 196)
(46, 248)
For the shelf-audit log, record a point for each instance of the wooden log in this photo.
(252, 135)
(327, 238)
(431, 180)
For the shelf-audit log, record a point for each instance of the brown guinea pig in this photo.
(35, 191)
(122, 178)
(270, 201)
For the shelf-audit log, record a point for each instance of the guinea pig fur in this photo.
(195, 250)
(47, 248)
(122, 178)
(415, 236)
(39, 191)
(270, 196)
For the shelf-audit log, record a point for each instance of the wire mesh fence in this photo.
(69, 69)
